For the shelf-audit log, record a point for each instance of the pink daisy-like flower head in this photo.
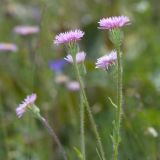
(8, 47)
(29, 100)
(70, 36)
(80, 57)
(26, 30)
(113, 22)
(105, 61)
(73, 86)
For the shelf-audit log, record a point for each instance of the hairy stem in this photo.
(53, 134)
(82, 105)
(119, 101)
(82, 129)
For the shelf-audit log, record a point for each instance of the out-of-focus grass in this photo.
(25, 138)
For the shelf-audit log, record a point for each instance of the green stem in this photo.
(53, 134)
(85, 101)
(119, 101)
(82, 128)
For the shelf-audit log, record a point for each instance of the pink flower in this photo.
(80, 57)
(107, 60)
(71, 36)
(29, 100)
(113, 22)
(8, 47)
(26, 30)
(73, 86)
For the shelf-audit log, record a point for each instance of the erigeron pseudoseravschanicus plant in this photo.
(76, 58)
(70, 39)
(114, 25)
(28, 104)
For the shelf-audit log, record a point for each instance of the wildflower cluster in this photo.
(77, 58)
(113, 24)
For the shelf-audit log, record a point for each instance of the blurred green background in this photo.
(25, 138)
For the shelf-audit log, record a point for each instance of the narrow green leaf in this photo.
(79, 154)
(112, 102)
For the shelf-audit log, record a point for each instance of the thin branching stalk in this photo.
(53, 134)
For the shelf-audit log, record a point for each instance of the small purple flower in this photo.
(105, 61)
(29, 100)
(70, 36)
(57, 65)
(113, 22)
(26, 30)
(80, 57)
(73, 86)
(8, 47)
